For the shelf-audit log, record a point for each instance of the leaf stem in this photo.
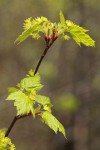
(48, 45)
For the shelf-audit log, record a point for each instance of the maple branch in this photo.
(48, 45)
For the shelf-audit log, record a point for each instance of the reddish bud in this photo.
(46, 37)
(54, 36)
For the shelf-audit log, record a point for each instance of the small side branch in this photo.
(17, 118)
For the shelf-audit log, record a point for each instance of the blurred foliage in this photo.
(96, 82)
(5, 142)
(67, 103)
(49, 71)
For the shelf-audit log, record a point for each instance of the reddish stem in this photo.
(17, 118)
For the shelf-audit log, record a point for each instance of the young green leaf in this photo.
(25, 94)
(79, 34)
(62, 19)
(41, 24)
(5, 142)
(52, 122)
(36, 35)
(23, 103)
(27, 33)
(65, 37)
(31, 82)
(43, 100)
(27, 23)
(32, 28)
(47, 108)
(12, 89)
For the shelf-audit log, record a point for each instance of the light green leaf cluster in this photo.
(27, 100)
(52, 122)
(65, 29)
(25, 93)
(33, 28)
(5, 142)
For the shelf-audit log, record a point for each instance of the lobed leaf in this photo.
(79, 34)
(23, 103)
(52, 122)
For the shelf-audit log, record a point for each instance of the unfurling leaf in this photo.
(65, 37)
(52, 122)
(27, 33)
(62, 19)
(31, 82)
(32, 28)
(5, 142)
(27, 23)
(43, 100)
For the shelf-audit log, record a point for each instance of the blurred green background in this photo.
(71, 75)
